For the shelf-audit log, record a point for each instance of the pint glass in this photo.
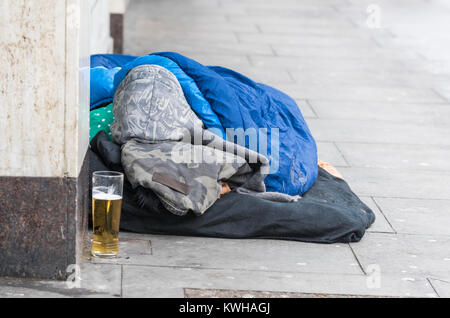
(107, 188)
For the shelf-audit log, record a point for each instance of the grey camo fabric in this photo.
(160, 133)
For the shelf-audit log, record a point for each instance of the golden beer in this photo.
(106, 210)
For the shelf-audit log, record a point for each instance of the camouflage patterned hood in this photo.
(166, 149)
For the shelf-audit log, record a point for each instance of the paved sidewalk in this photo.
(377, 102)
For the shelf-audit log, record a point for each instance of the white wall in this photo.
(44, 87)
(118, 6)
(100, 39)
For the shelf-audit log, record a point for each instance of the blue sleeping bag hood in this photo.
(191, 92)
(102, 85)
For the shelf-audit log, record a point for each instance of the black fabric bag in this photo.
(329, 212)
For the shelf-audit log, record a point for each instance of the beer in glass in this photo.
(107, 188)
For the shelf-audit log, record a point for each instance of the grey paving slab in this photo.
(381, 225)
(224, 293)
(101, 279)
(192, 17)
(327, 151)
(398, 183)
(358, 93)
(170, 9)
(288, 21)
(315, 64)
(241, 64)
(138, 24)
(371, 131)
(426, 217)
(199, 28)
(131, 246)
(185, 46)
(441, 287)
(17, 288)
(305, 39)
(434, 59)
(167, 10)
(434, 53)
(444, 91)
(307, 4)
(194, 37)
(274, 4)
(146, 281)
(396, 156)
(418, 113)
(341, 78)
(341, 52)
(192, 4)
(434, 67)
(145, 46)
(364, 77)
(306, 12)
(408, 257)
(94, 280)
(307, 29)
(266, 76)
(226, 60)
(305, 108)
(290, 11)
(259, 255)
(292, 25)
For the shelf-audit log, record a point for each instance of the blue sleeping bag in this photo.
(239, 102)
(110, 60)
(103, 69)
(102, 85)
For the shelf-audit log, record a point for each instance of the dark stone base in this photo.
(43, 224)
(116, 30)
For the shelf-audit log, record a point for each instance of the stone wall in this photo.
(44, 120)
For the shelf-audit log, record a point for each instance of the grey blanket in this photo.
(165, 147)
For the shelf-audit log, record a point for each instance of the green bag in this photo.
(101, 119)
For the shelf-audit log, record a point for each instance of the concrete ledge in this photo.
(43, 223)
